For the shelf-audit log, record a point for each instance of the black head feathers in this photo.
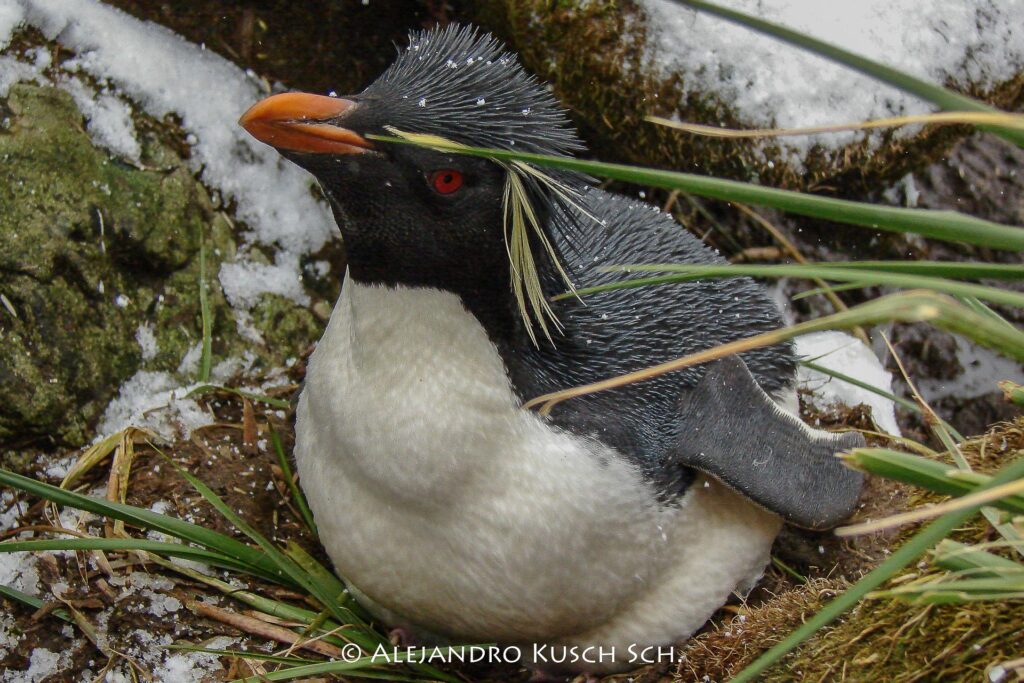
(462, 85)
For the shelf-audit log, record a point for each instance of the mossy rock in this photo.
(594, 54)
(92, 248)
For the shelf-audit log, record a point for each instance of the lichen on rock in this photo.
(93, 248)
(86, 243)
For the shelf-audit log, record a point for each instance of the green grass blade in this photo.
(339, 635)
(927, 474)
(959, 557)
(904, 402)
(945, 591)
(31, 601)
(979, 307)
(949, 594)
(956, 270)
(903, 556)
(941, 97)
(256, 561)
(1013, 392)
(289, 478)
(259, 398)
(282, 562)
(332, 583)
(162, 548)
(691, 272)
(942, 225)
(206, 359)
(243, 654)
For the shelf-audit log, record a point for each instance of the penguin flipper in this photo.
(732, 430)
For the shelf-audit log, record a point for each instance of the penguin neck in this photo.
(482, 283)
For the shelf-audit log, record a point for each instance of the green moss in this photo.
(285, 326)
(85, 241)
(890, 640)
(90, 249)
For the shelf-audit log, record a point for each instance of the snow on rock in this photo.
(119, 60)
(166, 74)
(771, 83)
(155, 401)
(11, 15)
(109, 118)
(849, 356)
(244, 281)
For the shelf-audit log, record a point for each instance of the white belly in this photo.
(444, 502)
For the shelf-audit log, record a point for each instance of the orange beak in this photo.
(297, 121)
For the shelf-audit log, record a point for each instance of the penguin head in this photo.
(412, 215)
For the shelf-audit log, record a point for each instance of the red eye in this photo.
(446, 181)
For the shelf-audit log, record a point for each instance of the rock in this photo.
(85, 245)
(606, 62)
(93, 250)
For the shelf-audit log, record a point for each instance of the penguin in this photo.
(622, 519)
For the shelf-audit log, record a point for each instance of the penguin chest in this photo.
(432, 488)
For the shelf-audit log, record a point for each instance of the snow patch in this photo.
(10, 510)
(192, 666)
(773, 84)
(154, 401)
(166, 74)
(14, 71)
(42, 664)
(147, 341)
(58, 469)
(18, 570)
(982, 368)
(849, 356)
(244, 281)
(189, 365)
(11, 16)
(109, 118)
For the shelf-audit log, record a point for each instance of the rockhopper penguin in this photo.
(625, 517)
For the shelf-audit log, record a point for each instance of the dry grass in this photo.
(882, 639)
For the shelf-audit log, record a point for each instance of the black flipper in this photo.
(731, 429)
